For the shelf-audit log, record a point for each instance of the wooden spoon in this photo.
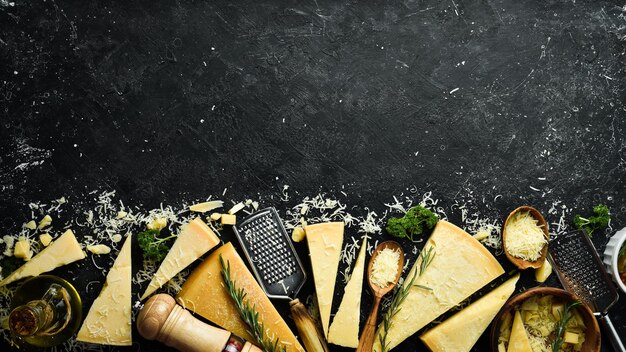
(367, 336)
(518, 262)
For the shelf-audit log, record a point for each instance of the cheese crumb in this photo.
(45, 239)
(215, 216)
(298, 234)
(46, 221)
(157, 224)
(228, 219)
(99, 249)
(31, 225)
(385, 267)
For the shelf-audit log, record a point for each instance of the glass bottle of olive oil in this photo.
(46, 311)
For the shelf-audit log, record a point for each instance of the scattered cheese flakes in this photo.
(206, 206)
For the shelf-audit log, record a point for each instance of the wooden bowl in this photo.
(518, 262)
(592, 332)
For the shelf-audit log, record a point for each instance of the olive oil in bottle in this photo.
(46, 311)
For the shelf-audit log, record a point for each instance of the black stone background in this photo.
(166, 101)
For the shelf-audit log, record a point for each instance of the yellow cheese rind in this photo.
(325, 241)
(344, 331)
(62, 251)
(109, 319)
(519, 341)
(205, 294)
(461, 331)
(460, 267)
(195, 239)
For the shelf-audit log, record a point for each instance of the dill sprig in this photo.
(249, 314)
(401, 293)
(559, 330)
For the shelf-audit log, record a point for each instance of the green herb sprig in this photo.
(414, 222)
(559, 330)
(401, 293)
(597, 221)
(153, 247)
(247, 313)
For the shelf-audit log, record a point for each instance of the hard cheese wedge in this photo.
(344, 330)
(61, 252)
(204, 293)
(325, 242)
(195, 239)
(460, 267)
(519, 341)
(460, 332)
(109, 320)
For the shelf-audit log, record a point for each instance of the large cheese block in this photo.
(460, 267)
(460, 332)
(519, 342)
(62, 251)
(109, 319)
(344, 330)
(325, 242)
(205, 294)
(194, 239)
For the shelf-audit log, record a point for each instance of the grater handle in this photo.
(310, 334)
(612, 333)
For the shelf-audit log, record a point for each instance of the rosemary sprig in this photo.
(559, 330)
(400, 295)
(249, 314)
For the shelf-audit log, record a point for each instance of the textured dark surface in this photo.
(492, 103)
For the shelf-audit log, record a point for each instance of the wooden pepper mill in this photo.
(163, 320)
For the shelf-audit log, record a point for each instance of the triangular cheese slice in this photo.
(205, 294)
(460, 332)
(62, 251)
(460, 267)
(109, 319)
(519, 342)
(344, 331)
(195, 239)
(325, 242)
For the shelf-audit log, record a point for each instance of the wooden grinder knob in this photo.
(163, 320)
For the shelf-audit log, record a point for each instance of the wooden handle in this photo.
(366, 341)
(310, 334)
(163, 320)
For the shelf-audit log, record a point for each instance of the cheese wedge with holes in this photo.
(62, 251)
(518, 342)
(461, 331)
(344, 331)
(205, 294)
(460, 267)
(325, 242)
(109, 319)
(195, 239)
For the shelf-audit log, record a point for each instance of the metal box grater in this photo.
(271, 255)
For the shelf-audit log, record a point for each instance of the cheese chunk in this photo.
(325, 242)
(460, 267)
(542, 274)
(99, 249)
(45, 239)
(519, 341)
(195, 239)
(344, 331)
(460, 332)
(22, 250)
(205, 294)
(109, 319)
(63, 251)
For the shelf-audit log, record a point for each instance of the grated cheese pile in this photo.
(524, 238)
(385, 267)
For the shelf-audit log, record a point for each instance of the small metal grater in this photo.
(271, 255)
(581, 272)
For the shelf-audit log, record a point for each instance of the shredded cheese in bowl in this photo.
(524, 238)
(385, 267)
